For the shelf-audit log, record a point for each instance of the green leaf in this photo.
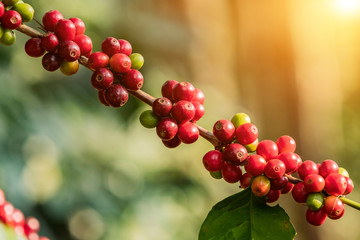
(245, 216)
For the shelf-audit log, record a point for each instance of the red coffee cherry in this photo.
(255, 165)
(274, 168)
(2, 9)
(18, 218)
(316, 218)
(84, 43)
(98, 60)
(213, 161)
(11, 19)
(183, 111)
(337, 217)
(235, 154)
(188, 132)
(286, 144)
(50, 42)
(116, 95)
(65, 29)
(120, 63)
(314, 183)
(246, 133)
(306, 168)
(335, 184)
(33, 47)
(51, 61)
(224, 131)
(291, 160)
(287, 189)
(110, 46)
(349, 186)
(172, 143)
(133, 80)
(231, 173)
(102, 78)
(327, 167)
(6, 212)
(199, 96)
(79, 26)
(69, 51)
(245, 180)
(2, 198)
(273, 195)
(333, 206)
(167, 89)
(50, 19)
(267, 149)
(167, 128)
(279, 183)
(162, 107)
(125, 47)
(299, 193)
(32, 225)
(260, 186)
(199, 111)
(101, 96)
(183, 91)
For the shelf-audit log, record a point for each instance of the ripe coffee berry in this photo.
(224, 131)
(183, 111)
(125, 47)
(79, 26)
(137, 60)
(349, 186)
(315, 201)
(235, 154)
(287, 189)
(32, 225)
(335, 184)
(116, 95)
(199, 96)
(246, 133)
(231, 173)
(101, 97)
(167, 89)
(65, 29)
(98, 60)
(133, 80)
(213, 161)
(279, 183)
(110, 46)
(84, 43)
(148, 119)
(274, 168)
(268, 149)
(316, 218)
(120, 63)
(167, 128)
(6, 212)
(260, 186)
(245, 180)
(286, 144)
(51, 61)
(162, 107)
(49, 42)
(306, 168)
(314, 183)
(199, 111)
(18, 218)
(50, 19)
(173, 143)
(255, 165)
(11, 19)
(69, 68)
(69, 51)
(273, 195)
(337, 217)
(2, 9)
(299, 193)
(327, 167)
(183, 91)
(102, 78)
(291, 160)
(188, 132)
(333, 206)
(33, 47)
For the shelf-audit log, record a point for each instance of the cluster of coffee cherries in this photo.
(174, 115)
(268, 166)
(12, 14)
(15, 219)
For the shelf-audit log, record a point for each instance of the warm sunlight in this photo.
(347, 6)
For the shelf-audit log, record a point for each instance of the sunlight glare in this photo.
(347, 6)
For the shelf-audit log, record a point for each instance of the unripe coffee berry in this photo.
(11, 19)
(299, 193)
(98, 60)
(133, 80)
(306, 168)
(69, 51)
(199, 111)
(291, 160)
(183, 91)
(51, 61)
(167, 128)
(199, 96)
(231, 173)
(167, 89)
(260, 186)
(8, 37)
(65, 29)
(69, 68)
(172, 143)
(162, 107)
(137, 60)
(183, 111)
(333, 206)
(314, 183)
(315, 201)
(316, 218)
(125, 47)
(213, 161)
(116, 95)
(110, 46)
(245, 180)
(286, 144)
(84, 43)
(188, 133)
(255, 165)
(102, 78)
(33, 47)
(252, 146)
(224, 131)
(25, 10)
(50, 19)
(216, 175)
(79, 26)
(148, 119)
(327, 167)
(50, 42)
(235, 154)
(343, 172)
(268, 149)
(335, 184)
(120, 63)
(240, 119)
(274, 168)
(273, 195)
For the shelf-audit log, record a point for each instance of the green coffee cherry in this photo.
(252, 146)
(25, 10)
(216, 175)
(343, 172)
(137, 60)
(1, 32)
(148, 119)
(10, 2)
(8, 38)
(314, 201)
(239, 119)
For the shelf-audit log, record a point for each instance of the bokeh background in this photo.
(89, 172)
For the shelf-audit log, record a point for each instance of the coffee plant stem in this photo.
(350, 203)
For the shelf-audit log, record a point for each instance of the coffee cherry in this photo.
(2, 10)
(125, 47)
(333, 206)
(291, 160)
(343, 172)
(316, 218)
(69, 51)
(44, 238)
(273, 195)
(148, 119)
(9, 3)
(84, 43)
(102, 78)
(6, 212)
(120, 63)
(240, 119)
(260, 186)
(188, 132)
(162, 107)
(32, 225)
(199, 96)
(252, 146)
(231, 173)
(274, 168)
(327, 167)
(2, 198)
(349, 186)
(69, 68)
(98, 60)
(306, 168)
(51, 61)
(183, 91)
(335, 184)
(183, 111)
(213, 161)
(33, 47)
(299, 193)
(216, 175)
(337, 217)
(8, 37)
(173, 143)
(116, 95)
(137, 60)
(49, 42)
(18, 218)
(314, 201)
(167, 89)
(199, 111)
(286, 144)
(268, 149)
(314, 183)
(110, 46)
(224, 131)
(287, 189)
(167, 128)
(50, 19)
(101, 96)
(65, 29)
(133, 80)
(33, 236)
(79, 26)
(279, 183)
(245, 180)
(235, 154)
(11, 19)
(246, 133)
(255, 165)
(25, 10)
